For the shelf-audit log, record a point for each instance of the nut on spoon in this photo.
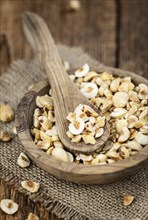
(65, 93)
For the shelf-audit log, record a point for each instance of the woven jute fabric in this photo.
(66, 199)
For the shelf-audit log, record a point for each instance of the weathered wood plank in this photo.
(133, 47)
(92, 27)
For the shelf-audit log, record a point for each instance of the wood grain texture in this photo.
(91, 28)
(77, 173)
(133, 36)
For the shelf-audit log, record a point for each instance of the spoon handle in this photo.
(43, 45)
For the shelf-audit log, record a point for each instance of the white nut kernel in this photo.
(99, 133)
(110, 161)
(8, 206)
(82, 71)
(120, 99)
(92, 120)
(76, 139)
(143, 92)
(49, 151)
(5, 136)
(132, 121)
(124, 152)
(37, 112)
(95, 161)
(128, 199)
(36, 122)
(60, 154)
(120, 124)
(112, 154)
(30, 186)
(23, 160)
(84, 157)
(101, 157)
(133, 145)
(115, 85)
(54, 138)
(99, 81)
(32, 216)
(89, 76)
(133, 96)
(14, 130)
(88, 139)
(144, 129)
(75, 5)
(89, 90)
(43, 145)
(52, 131)
(6, 113)
(58, 144)
(46, 101)
(125, 134)
(45, 137)
(106, 76)
(72, 77)
(141, 138)
(105, 106)
(69, 134)
(89, 111)
(77, 126)
(100, 122)
(51, 116)
(126, 87)
(118, 112)
(38, 104)
(66, 65)
(71, 117)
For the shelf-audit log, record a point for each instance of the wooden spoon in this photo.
(65, 93)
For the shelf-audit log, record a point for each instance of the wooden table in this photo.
(113, 31)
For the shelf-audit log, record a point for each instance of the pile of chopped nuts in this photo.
(85, 124)
(123, 104)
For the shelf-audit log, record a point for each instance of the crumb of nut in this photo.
(120, 99)
(125, 134)
(14, 130)
(66, 65)
(30, 87)
(32, 216)
(5, 136)
(23, 160)
(128, 199)
(30, 186)
(6, 113)
(8, 206)
(74, 5)
(49, 151)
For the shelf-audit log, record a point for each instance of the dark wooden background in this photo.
(113, 31)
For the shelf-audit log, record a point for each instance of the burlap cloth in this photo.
(67, 200)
